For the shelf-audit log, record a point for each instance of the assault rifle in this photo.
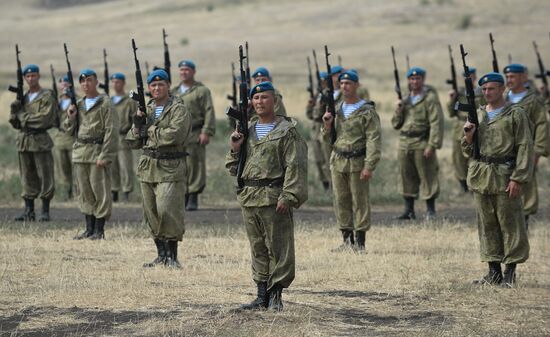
(241, 116)
(452, 80)
(70, 91)
(55, 94)
(329, 99)
(470, 107)
(317, 74)
(248, 77)
(105, 84)
(18, 90)
(167, 64)
(310, 80)
(396, 76)
(495, 62)
(233, 96)
(139, 97)
(542, 72)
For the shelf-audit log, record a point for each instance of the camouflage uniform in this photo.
(321, 150)
(62, 151)
(122, 169)
(275, 170)
(507, 154)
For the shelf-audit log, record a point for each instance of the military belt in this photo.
(33, 131)
(196, 127)
(498, 160)
(351, 154)
(277, 182)
(164, 155)
(424, 134)
(97, 141)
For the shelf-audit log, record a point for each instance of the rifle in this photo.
(495, 62)
(233, 96)
(139, 97)
(340, 60)
(105, 84)
(310, 80)
(147, 68)
(470, 107)
(396, 76)
(330, 99)
(241, 116)
(542, 72)
(167, 64)
(509, 58)
(18, 90)
(70, 91)
(317, 74)
(408, 63)
(56, 94)
(452, 80)
(247, 56)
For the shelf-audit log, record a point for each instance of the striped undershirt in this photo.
(158, 111)
(494, 114)
(415, 99)
(348, 109)
(64, 103)
(263, 129)
(32, 96)
(515, 98)
(90, 102)
(116, 99)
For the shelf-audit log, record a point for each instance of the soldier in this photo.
(33, 117)
(198, 101)
(362, 91)
(162, 168)
(533, 106)
(497, 177)
(122, 169)
(355, 155)
(261, 75)
(460, 162)
(275, 181)
(63, 142)
(321, 149)
(420, 119)
(335, 72)
(94, 149)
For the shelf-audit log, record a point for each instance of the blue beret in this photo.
(64, 78)
(336, 69)
(86, 73)
(261, 71)
(491, 77)
(353, 70)
(515, 68)
(348, 75)
(118, 76)
(30, 68)
(261, 87)
(157, 75)
(472, 70)
(416, 71)
(323, 75)
(187, 63)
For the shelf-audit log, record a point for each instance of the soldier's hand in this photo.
(327, 120)
(236, 140)
(452, 95)
(204, 139)
(71, 111)
(428, 152)
(100, 163)
(140, 113)
(15, 106)
(310, 102)
(469, 129)
(282, 207)
(513, 189)
(365, 175)
(14, 121)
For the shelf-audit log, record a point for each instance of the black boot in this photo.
(126, 196)
(28, 213)
(114, 195)
(464, 185)
(360, 240)
(192, 203)
(527, 222)
(276, 298)
(430, 209)
(69, 193)
(493, 277)
(326, 185)
(99, 232)
(186, 199)
(408, 213)
(90, 227)
(509, 279)
(348, 243)
(45, 216)
(161, 257)
(262, 299)
(172, 254)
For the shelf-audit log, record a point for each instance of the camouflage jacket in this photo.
(508, 135)
(124, 110)
(461, 116)
(282, 153)
(421, 124)
(97, 131)
(198, 101)
(534, 108)
(36, 118)
(361, 130)
(169, 133)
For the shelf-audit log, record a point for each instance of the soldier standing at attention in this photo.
(162, 168)
(198, 102)
(504, 167)
(533, 107)
(460, 162)
(420, 119)
(94, 150)
(33, 117)
(355, 154)
(275, 182)
(122, 169)
(260, 75)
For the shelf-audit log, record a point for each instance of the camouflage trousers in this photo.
(321, 159)
(530, 196)
(94, 186)
(196, 168)
(162, 210)
(271, 237)
(122, 171)
(460, 163)
(37, 175)
(63, 166)
(351, 201)
(501, 226)
(418, 175)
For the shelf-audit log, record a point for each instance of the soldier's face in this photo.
(118, 85)
(187, 74)
(492, 91)
(159, 89)
(335, 82)
(348, 88)
(88, 84)
(64, 85)
(32, 79)
(260, 79)
(416, 82)
(514, 81)
(264, 103)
